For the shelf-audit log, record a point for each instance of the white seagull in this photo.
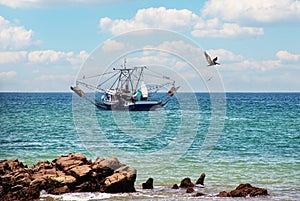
(209, 61)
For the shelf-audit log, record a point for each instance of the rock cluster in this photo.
(244, 190)
(71, 173)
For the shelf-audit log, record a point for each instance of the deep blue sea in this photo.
(245, 138)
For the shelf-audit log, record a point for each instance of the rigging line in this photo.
(99, 85)
(139, 78)
(84, 77)
(160, 75)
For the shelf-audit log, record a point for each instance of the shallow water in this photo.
(259, 142)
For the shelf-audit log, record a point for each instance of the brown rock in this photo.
(223, 194)
(71, 173)
(175, 186)
(61, 190)
(199, 194)
(81, 171)
(201, 179)
(244, 190)
(186, 182)
(112, 163)
(189, 190)
(148, 184)
(70, 161)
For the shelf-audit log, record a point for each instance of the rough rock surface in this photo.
(186, 182)
(201, 179)
(244, 190)
(71, 173)
(148, 184)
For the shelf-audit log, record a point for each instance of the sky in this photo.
(44, 43)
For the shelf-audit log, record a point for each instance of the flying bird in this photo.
(209, 61)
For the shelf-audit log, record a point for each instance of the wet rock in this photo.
(70, 173)
(148, 184)
(189, 190)
(199, 194)
(201, 179)
(122, 180)
(186, 182)
(175, 186)
(244, 190)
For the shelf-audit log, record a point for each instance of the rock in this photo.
(186, 182)
(244, 190)
(199, 194)
(201, 179)
(175, 186)
(71, 173)
(122, 180)
(189, 190)
(112, 163)
(148, 184)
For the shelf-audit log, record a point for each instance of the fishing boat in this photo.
(127, 89)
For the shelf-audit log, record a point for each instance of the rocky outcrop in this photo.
(244, 190)
(200, 181)
(71, 173)
(148, 184)
(186, 182)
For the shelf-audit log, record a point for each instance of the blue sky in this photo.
(43, 43)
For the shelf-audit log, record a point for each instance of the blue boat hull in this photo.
(138, 106)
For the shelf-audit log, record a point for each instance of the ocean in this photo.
(245, 138)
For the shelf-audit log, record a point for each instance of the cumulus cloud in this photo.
(12, 57)
(255, 10)
(225, 55)
(178, 20)
(67, 77)
(287, 56)
(43, 56)
(151, 18)
(6, 75)
(52, 56)
(14, 37)
(112, 45)
(228, 30)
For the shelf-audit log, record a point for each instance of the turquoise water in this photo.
(258, 142)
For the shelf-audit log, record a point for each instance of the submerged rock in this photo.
(244, 190)
(186, 182)
(148, 184)
(201, 179)
(189, 190)
(71, 173)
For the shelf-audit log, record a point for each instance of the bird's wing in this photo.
(207, 58)
(215, 59)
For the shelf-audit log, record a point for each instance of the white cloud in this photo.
(255, 10)
(151, 18)
(78, 59)
(228, 30)
(12, 57)
(287, 56)
(14, 37)
(48, 56)
(43, 56)
(225, 55)
(6, 75)
(178, 20)
(52, 56)
(55, 3)
(51, 77)
(112, 45)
